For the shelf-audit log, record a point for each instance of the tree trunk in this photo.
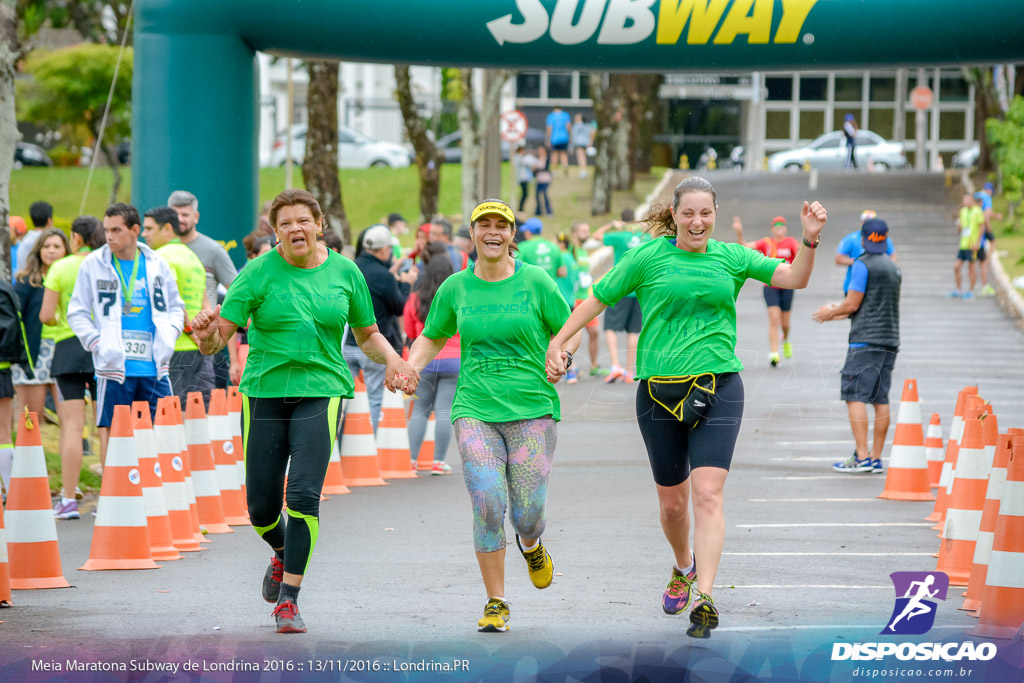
(473, 125)
(643, 108)
(986, 106)
(320, 165)
(428, 158)
(115, 168)
(602, 92)
(10, 52)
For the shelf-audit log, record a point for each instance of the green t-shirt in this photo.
(972, 218)
(622, 241)
(584, 282)
(567, 284)
(190, 275)
(61, 279)
(542, 253)
(689, 303)
(298, 316)
(505, 328)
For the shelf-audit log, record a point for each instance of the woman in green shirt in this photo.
(296, 301)
(505, 410)
(689, 401)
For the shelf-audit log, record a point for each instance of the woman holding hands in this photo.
(689, 400)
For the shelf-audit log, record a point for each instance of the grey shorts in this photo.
(867, 374)
(625, 316)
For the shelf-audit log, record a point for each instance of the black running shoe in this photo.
(288, 619)
(703, 618)
(272, 580)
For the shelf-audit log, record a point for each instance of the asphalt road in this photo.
(807, 551)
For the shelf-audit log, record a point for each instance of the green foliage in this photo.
(1007, 137)
(68, 88)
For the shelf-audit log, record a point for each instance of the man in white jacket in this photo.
(126, 310)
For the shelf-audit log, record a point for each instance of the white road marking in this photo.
(853, 554)
(811, 500)
(837, 524)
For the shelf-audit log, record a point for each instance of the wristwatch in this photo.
(810, 244)
(568, 361)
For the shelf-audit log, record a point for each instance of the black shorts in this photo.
(965, 255)
(6, 383)
(72, 387)
(560, 147)
(675, 448)
(624, 316)
(69, 358)
(981, 255)
(783, 298)
(867, 374)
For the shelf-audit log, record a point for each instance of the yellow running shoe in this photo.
(787, 349)
(703, 617)
(496, 616)
(542, 569)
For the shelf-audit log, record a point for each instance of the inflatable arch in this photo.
(195, 87)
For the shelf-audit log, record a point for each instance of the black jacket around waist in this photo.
(31, 300)
(388, 296)
(12, 340)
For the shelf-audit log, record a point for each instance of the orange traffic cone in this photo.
(235, 511)
(425, 458)
(161, 545)
(204, 471)
(393, 439)
(966, 501)
(989, 433)
(334, 480)
(33, 554)
(956, 430)
(120, 539)
(933, 451)
(1002, 603)
(186, 460)
(235, 422)
(907, 476)
(172, 470)
(358, 447)
(989, 516)
(5, 571)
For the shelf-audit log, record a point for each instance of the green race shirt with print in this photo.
(542, 253)
(61, 279)
(567, 285)
(584, 282)
(190, 275)
(622, 241)
(297, 317)
(505, 328)
(972, 218)
(689, 303)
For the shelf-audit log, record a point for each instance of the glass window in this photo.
(813, 89)
(952, 125)
(954, 89)
(777, 125)
(849, 89)
(812, 123)
(528, 84)
(882, 121)
(883, 89)
(559, 86)
(829, 142)
(779, 88)
(910, 123)
(584, 85)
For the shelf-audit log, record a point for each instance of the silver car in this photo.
(828, 153)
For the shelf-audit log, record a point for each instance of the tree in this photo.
(10, 53)
(473, 125)
(320, 164)
(986, 106)
(429, 158)
(606, 93)
(1007, 139)
(69, 89)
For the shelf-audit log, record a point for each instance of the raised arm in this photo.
(737, 226)
(796, 275)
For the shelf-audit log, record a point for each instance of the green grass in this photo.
(369, 194)
(1009, 238)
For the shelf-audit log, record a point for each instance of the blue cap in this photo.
(874, 233)
(533, 226)
(848, 117)
(988, 186)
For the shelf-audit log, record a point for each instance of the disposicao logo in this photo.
(914, 614)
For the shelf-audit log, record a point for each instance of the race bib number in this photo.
(585, 280)
(137, 345)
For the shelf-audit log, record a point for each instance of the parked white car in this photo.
(828, 153)
(355, 150)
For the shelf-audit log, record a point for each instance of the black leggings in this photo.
(674, 448)
(275, 430)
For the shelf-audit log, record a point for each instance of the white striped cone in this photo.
(358, 447)
(427, 455)
(235, 422)
(161, 545)
(5, 572)
(966, 501)
(204, 471)
(907, 476)
(235, 511)
(33, 553)
(1002, 604)
(186, 459)
(334, 479)
(934, 451)
(393, 439)
(172, 469)
(120, 537)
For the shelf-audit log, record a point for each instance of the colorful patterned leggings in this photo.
(506, 462)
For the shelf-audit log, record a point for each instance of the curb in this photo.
(1007, 295)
